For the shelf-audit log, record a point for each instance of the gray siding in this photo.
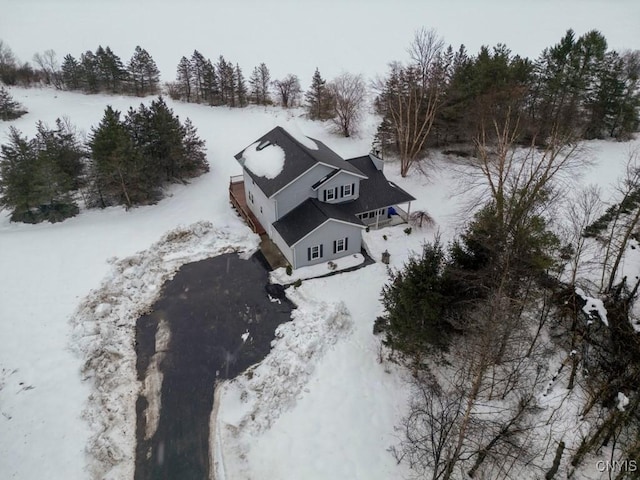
(296, 193)
(267, 214)
(336, 182)
(282, 245)
(325, 236)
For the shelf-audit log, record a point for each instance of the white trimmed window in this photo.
(340, 245)
(348, 190)
(315, 252)
(330, 194)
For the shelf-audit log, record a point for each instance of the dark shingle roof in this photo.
(375, 191)
(298, 159)
(308, 216)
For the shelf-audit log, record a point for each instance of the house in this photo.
(312, 203)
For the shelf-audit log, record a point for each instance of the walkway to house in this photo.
(207, 307)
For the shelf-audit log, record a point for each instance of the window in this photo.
(341, 245)
(348, 190)
(372, 215)
(330, 194)
(381, 212)
(314, 252)
(251, 197)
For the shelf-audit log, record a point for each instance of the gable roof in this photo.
(298, 160)
(375, 191)
(310, 215)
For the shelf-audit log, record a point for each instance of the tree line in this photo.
(124, 161)
(576, 89)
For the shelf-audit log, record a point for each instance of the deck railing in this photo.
(239, 202)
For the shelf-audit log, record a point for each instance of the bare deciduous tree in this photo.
(49, 65)
(288, 90)
(411, 94)
(349, 94)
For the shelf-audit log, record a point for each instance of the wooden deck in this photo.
(238, 199)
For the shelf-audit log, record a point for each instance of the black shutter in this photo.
(320, 250)
(309, 254)
(346, 243)
(325, 195)
(341, 191)
(335, 246)
(353, 189)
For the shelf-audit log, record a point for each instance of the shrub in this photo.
(289, 270)
(408, 230)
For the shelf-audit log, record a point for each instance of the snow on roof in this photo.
(293, 129)
(264, 159)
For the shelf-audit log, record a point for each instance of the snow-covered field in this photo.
(333, 419)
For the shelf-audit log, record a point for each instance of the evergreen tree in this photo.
(9, 108)
(318, 98)
(71, 73)
(117, 174)
(227, 81)
(37, 176)
(159, 141)
(415, 301)
(90, 78)
(143, 73)
(211, 85)
(194, 162)
(198, 69)
(110, 69)
(241, 87)
(259, 84)
(184, 79)
(18, 162)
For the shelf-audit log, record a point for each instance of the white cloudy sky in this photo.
(296, 36)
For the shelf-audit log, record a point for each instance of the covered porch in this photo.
(388, 216)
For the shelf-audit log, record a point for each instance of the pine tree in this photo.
(18, 161)
(9, 108)
(37, 176)
(259, 84)
(110, 69)
(90, 78)
(194, 162)
(117, 175)
(318, 98)
(143, 73)
(241, 87)
(211, 85)
(184, 79)
(71, 73)
(198, 68)
(160, 143)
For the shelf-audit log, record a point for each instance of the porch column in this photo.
(377, 218)
(408, 210)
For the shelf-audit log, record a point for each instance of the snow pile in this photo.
(104, 333)
(273, 385)
(264, 160)
(253, 401)
(593, 306)
(280, 276)
(623, 401)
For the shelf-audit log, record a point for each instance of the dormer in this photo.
(338, 186)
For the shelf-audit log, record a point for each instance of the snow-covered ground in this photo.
(335, 417)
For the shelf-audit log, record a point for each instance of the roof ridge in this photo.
(304, 149)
